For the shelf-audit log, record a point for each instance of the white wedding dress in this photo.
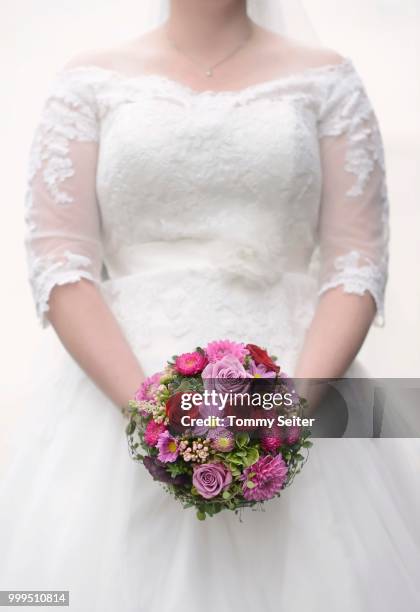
(204, 215)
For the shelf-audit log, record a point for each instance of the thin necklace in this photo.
(209, 70)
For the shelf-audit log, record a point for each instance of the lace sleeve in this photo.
(353, 226)
(63, 242)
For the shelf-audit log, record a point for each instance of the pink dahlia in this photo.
(168, 447)
(149, 388)
(153, 431)
(220, 348)
(264, 479)
(189, 364)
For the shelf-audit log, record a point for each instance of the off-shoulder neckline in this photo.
(345, 63)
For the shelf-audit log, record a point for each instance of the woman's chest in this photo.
(208, 158)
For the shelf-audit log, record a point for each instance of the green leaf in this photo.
(252, 456)
(201, 515)
(242, 439)
(130, 428)
(236, 460)
(226, 495)
(211, 509)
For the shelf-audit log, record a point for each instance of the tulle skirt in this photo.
(78, 514)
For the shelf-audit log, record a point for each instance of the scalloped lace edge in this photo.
(358, 286)
(72, 276)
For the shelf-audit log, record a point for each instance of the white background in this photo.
(382, 38)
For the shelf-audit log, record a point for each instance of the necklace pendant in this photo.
(209, 72)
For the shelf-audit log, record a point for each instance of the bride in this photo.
(213, 178)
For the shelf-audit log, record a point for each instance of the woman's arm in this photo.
(88, 330)
(336, 334)
(64, 236)
(352, 232)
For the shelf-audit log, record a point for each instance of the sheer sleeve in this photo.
(63, 234)
(353, 227)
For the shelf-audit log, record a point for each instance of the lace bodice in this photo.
(143, 175)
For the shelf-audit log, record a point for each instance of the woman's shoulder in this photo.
(289, 52)
(79, 77)
(103, 59)
(100, 58)
(299, 56)
(87, 75)
(126, 57)
(283, 54)
(86, 72)
(317, 68)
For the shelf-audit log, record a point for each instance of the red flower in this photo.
(261, 357)
(175, 412)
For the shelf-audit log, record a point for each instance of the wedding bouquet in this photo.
(221, 427)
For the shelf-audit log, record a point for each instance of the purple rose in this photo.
(211, 478)
(226, 375)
